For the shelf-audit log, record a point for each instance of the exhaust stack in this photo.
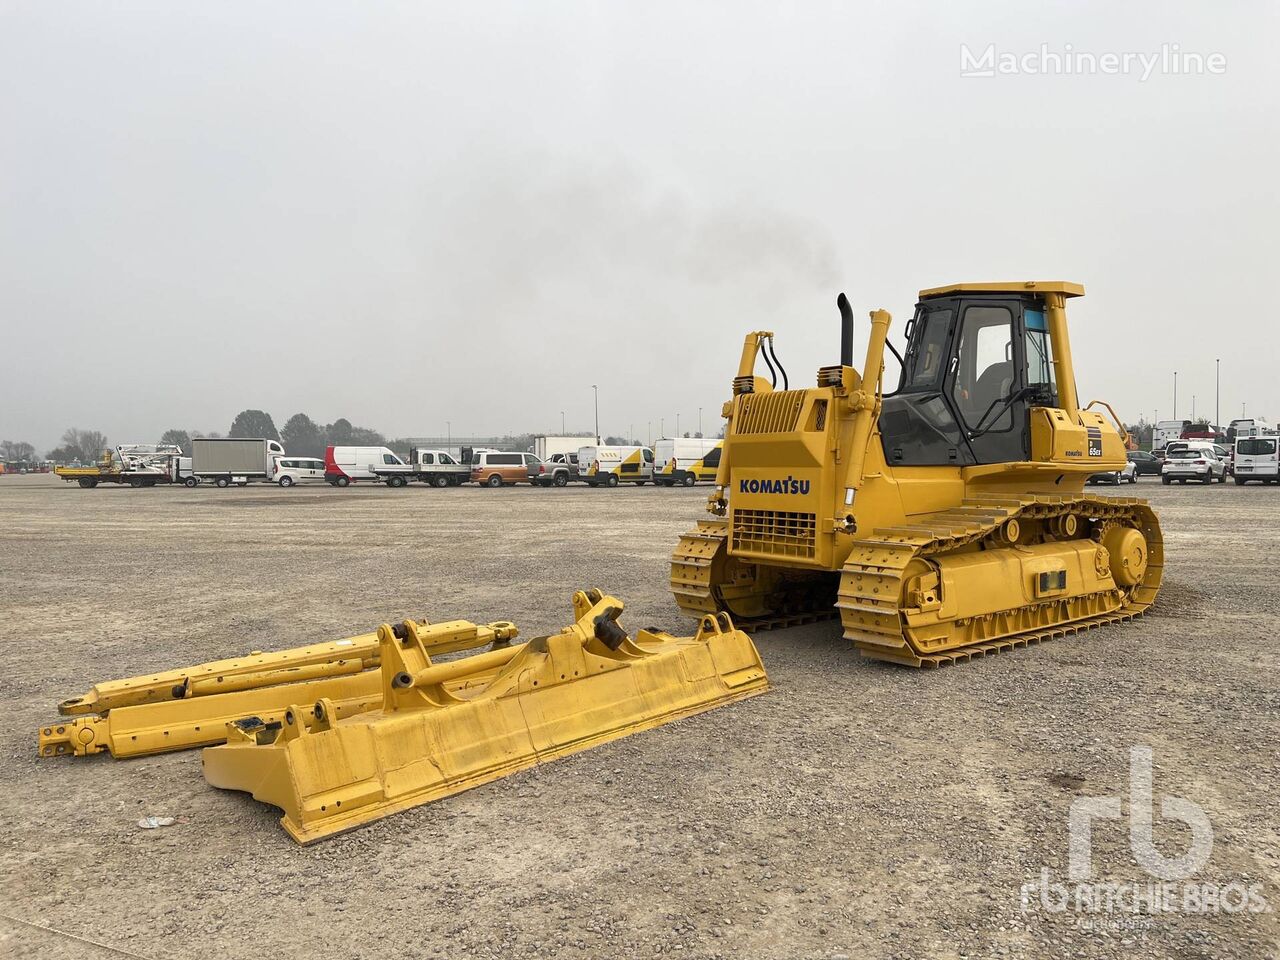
(846, 331)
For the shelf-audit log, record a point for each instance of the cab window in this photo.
(1040, 376)
(985, 371)
(446, 459)
(928, 352)
(648, 455)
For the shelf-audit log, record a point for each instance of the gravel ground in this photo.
(858, 809)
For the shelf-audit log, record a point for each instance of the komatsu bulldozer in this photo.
(943, 520)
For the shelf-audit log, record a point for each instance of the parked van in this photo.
(494, 468)
(287, 471)
(345, 464)
(685, 460)
(609, 466)
(1257, 458)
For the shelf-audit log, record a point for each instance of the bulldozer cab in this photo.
(975, 363)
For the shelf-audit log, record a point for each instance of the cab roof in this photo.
(1015, 286)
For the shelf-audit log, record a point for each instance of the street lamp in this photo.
(677, 424)
(699, 421)
(1175, 394)
(1217, 384)
(562, 423)
(448, 434)
(596, 388)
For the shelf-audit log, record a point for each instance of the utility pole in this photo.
(1175, 394)
(1193, 408)
(699, 421)
(1217, 399)
(651, 433)
(448, 434)
(596, 388)
(677, 424)
(562, 423)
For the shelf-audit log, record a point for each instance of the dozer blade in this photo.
(443, 728)
(191, 706)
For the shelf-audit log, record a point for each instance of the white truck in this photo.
(544, 448)
(437, 468)
(135, 465)
(238, 460)
(1166, 430)
(1251, 427)
(685, 460)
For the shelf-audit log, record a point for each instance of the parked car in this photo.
(1194, 463)
(557, 470)
(287, 471)
(1145, 464)
(493, 468)
(1129, 474)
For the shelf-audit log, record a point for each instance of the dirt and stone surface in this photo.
(857, 809)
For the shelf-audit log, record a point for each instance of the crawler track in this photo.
(704, 579)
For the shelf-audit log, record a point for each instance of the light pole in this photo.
(662, 426)
(596, 388)
(1175, 394)
(699, 421)
(677, 424)
(1217, 399)
(448, 434)
(1193, 408)
(562, 423)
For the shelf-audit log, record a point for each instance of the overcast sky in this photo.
(407, 214)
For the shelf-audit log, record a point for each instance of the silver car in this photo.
(1194, 463)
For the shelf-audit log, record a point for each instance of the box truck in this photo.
(547, 447)
(238, 460)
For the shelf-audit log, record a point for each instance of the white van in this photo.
(609, 466)
(287, 471)
(685, 460)
(1257, 458)
(345, 464)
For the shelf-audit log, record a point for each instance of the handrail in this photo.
(1124, 434)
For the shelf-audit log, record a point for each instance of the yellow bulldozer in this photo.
(943, 520)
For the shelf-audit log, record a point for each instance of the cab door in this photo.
(986, 381)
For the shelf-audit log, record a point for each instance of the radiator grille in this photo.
(776, 412)
(776, 532)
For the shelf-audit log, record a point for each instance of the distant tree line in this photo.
(300, 435)
(86, 446)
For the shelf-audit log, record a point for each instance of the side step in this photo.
(443, 728)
